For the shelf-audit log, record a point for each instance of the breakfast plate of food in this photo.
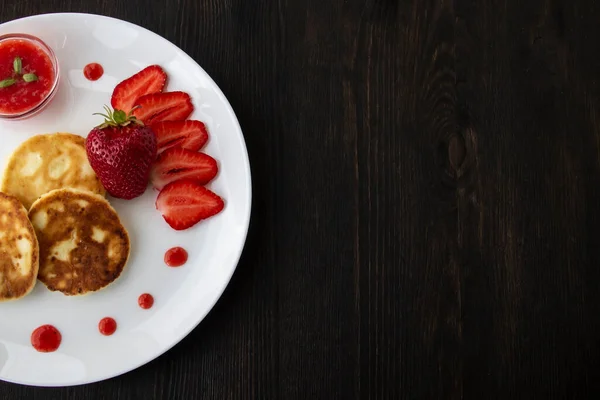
(125, 197)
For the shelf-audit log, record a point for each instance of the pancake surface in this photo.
(47, 162)
(83, 245)
(19, 252)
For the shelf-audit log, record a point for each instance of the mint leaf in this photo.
(18, 65)
(30, 77)
(7, 82)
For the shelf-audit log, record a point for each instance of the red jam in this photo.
(107, 326)
(26, 87)
(46, 339)
(146, 301)
(176, 257)
(93, 71)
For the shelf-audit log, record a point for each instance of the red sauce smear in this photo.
(107, 326)
(22, 96)
(93, 71)
(46, 339)
(176, 257)
(146, 301)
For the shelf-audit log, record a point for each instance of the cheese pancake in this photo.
(19, 252)
(83, 245)
(47, 162)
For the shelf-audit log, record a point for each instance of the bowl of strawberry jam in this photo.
(29, 75)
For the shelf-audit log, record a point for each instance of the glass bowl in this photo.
(36, 107)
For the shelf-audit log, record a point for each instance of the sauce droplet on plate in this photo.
(176, 257)
(93, 71)
(107, 326)
(46, 339)
(146, 301)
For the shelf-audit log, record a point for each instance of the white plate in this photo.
(183, 296)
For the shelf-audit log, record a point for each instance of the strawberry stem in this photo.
(116, 118)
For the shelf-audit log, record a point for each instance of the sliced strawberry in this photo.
(191, 135)
(184, 203)
(157, 107)
(173, 114)
(177, 163)
(149, 80)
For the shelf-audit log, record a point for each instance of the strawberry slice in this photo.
(191, 135)
(149, 80)
(157, 107)
(184, 203)
(177, 163)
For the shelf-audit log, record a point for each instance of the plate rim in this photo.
(246, 221)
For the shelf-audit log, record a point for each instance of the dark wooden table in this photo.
(427, 200)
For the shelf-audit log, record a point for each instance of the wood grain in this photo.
(426, 179)
(531, 99)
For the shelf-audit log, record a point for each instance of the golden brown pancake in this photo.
(47, 162)
(83, 245)
(19, 252)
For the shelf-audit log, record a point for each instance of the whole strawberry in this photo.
(121, 152)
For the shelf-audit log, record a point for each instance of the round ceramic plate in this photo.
(183, 296)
